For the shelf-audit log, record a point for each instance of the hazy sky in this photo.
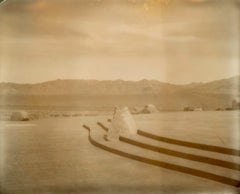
(177, 41)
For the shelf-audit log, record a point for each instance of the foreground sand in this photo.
(55, 156)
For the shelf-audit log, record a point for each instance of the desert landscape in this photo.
(54, 155)
(119, 96)
(66, 148)
(63, 98)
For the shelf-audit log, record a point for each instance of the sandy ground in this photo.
(208, 127)
(54, 156)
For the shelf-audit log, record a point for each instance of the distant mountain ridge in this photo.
(78, 93)
(85, 87)
(118, 87)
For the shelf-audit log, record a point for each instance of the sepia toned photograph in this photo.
(119, 96)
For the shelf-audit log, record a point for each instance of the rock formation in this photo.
(19, 116)
(122, 123)
(150, 108)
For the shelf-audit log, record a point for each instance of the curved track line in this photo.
(200, 146)
(166, 165)
(193, 157)
(102, 126)
(184, 155)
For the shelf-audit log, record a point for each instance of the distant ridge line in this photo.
(119, 80)
(165, 96)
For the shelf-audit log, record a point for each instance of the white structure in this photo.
(19, 116)
(122, 123)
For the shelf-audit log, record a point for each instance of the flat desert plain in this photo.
(54, 155)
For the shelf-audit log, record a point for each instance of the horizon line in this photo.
(143, 79)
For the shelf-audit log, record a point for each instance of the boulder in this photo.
(19, 116)
(122, 123)
(150, 108)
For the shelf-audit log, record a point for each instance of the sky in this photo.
(176, 41)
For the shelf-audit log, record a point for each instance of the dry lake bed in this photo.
(54, 155)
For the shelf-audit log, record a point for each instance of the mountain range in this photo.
(90, 94)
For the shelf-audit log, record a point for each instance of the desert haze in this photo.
(90, 94)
